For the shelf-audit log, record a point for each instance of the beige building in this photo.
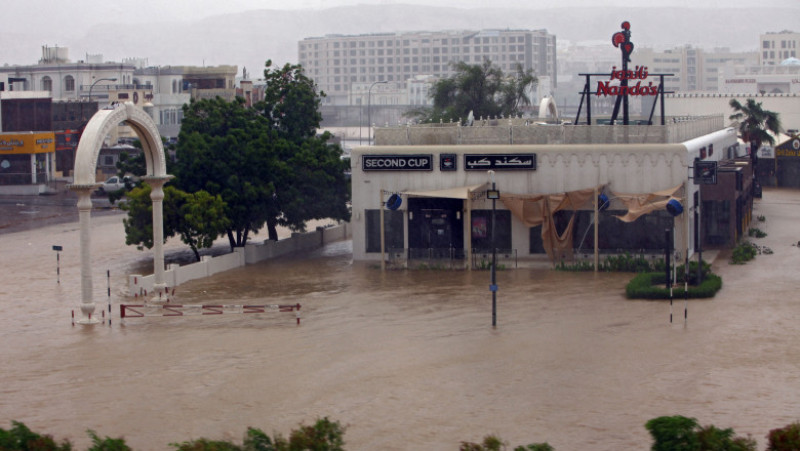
(337, 63)
(694, 69)
(777, 47)
(423, 192)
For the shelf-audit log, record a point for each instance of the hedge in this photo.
(651, 285)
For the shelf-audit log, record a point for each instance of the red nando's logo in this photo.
(606, 88)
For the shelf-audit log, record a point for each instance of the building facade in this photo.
(337, 63)
(777, 47)
(693, 69)
(412, 200)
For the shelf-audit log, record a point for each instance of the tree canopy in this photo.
(482, 89)
(267, 163)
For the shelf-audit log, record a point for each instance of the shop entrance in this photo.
(435, 227)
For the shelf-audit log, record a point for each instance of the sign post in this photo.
(58, 250)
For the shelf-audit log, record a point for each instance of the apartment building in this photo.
(693, 69)
(337, 63)
(778, 46)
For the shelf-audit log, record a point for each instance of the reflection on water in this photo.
(407, 359)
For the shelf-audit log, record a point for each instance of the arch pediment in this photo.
(101, 124)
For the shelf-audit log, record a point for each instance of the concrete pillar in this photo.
(157, 196)
(85, 216)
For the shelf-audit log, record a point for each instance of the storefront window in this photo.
(482, 229)
(393, 230)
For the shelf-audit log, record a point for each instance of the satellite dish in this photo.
(470, 118)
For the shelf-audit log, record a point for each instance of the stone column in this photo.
(157, 196)
(85, 216)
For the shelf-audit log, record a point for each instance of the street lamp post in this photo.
(97, 81)
(369, 104)
(493, 194)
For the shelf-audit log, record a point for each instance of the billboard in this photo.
(27, 143)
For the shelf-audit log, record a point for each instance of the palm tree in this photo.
(754, 124)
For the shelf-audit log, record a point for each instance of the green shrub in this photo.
(107, 443)
(756, 232)
(494, 443)
(675, 433)
(652, 285)
(19, 437)
(681, 433)
(712, 438)
(614, 263)
(784, 439)
(743, 253)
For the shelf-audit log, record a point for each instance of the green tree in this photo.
(228, 149)
(198, 218)
(754, 124)
(266, 163)
(291, 101)
(482, 89)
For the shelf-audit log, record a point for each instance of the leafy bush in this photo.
(714, 438)
(784, 439)
(615, 263)
(756, 232)
(494, 443)
(675, 433)
(743, 253)
(681, 433)
(19, 437)
(107, 443)
(324, 435)
(652, 285)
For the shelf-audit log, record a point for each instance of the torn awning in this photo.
(461, 192)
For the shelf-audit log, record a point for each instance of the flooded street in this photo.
(408, 360)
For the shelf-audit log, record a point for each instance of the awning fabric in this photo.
(461, 192)
(642, 204)
(538, 209)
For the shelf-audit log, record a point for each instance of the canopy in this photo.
(462, 192)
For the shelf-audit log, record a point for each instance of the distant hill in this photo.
(250, 38)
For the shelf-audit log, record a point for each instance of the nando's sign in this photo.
(614, 86)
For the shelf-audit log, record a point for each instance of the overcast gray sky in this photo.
(49, 15)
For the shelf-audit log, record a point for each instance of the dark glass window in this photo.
(393, 229)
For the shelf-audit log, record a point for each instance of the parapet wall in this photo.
(517, 131)
(252, 253)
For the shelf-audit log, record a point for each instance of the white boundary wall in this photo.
(251, 253)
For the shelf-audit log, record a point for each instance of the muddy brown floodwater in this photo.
(408, 360)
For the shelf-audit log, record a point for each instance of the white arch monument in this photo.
(548, 105)
(98, 127)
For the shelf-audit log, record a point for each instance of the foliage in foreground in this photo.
(785, 438)
(20, 437)
(669, 433)
(494, 443)
(674, 433)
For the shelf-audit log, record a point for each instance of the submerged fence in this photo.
(139, 285)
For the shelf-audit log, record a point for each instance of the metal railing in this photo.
(449, 258)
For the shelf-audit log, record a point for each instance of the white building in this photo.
(337, 62)
(413, 201)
